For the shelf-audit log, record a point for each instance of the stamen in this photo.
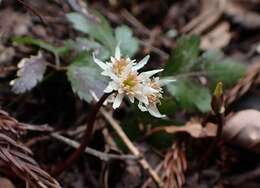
(130, 84)
(155, 97)
(119, 66)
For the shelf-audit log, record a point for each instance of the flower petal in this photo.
(132, 99)
(142, 107)
(112, 59)
(166, 81)
(93, 94)
(148, 74)
(110, 74)
(117, 52)
(118, 100)
(153, 110)
(149, 90)
(142, 63)
(100, 63)
(109, 88)
(142, 98)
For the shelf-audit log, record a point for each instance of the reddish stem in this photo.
(214, 144)
(85, 140)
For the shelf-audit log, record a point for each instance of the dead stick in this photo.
(32, 10)
(101, 155)
(146, 166)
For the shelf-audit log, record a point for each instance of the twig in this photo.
(138, 25)
(32, 10)
(35, 140)
(145, 31)
(101, 155)
(149, 180)
(85, 140)
(56, 67)
(39, 128)
(109, 139)
(212, 11)
(132, 148)
(158, 51)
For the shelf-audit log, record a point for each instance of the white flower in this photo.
(126, 81)
(117, 65)
(153, 98)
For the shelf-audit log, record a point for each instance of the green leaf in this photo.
(83, 44)
(226, 71)
(98, 29)
(80, 22)
(128, 43)
(212, 56)
(184, 56)
(168, 105)
(190, 95)
(85, 77)
(40, 43)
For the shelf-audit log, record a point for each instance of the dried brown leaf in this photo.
(219, 37)
(211, 11)
(193, 127)
(242, 14)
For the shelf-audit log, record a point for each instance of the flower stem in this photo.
(220, 123)
(61, 167)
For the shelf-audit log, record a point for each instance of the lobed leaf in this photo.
(31, 71)
(184, 56)
(84, 44)
(85, 78)
(190, 95)
(227, 71)
(128, 43)
(99, 30)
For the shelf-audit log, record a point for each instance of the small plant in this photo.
(126, 81)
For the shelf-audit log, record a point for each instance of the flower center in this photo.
(119, 66)
(154, 98)
(130, 83)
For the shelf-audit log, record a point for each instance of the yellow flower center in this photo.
(119, 66)
(130, 83)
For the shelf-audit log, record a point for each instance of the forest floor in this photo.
(188, 149)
